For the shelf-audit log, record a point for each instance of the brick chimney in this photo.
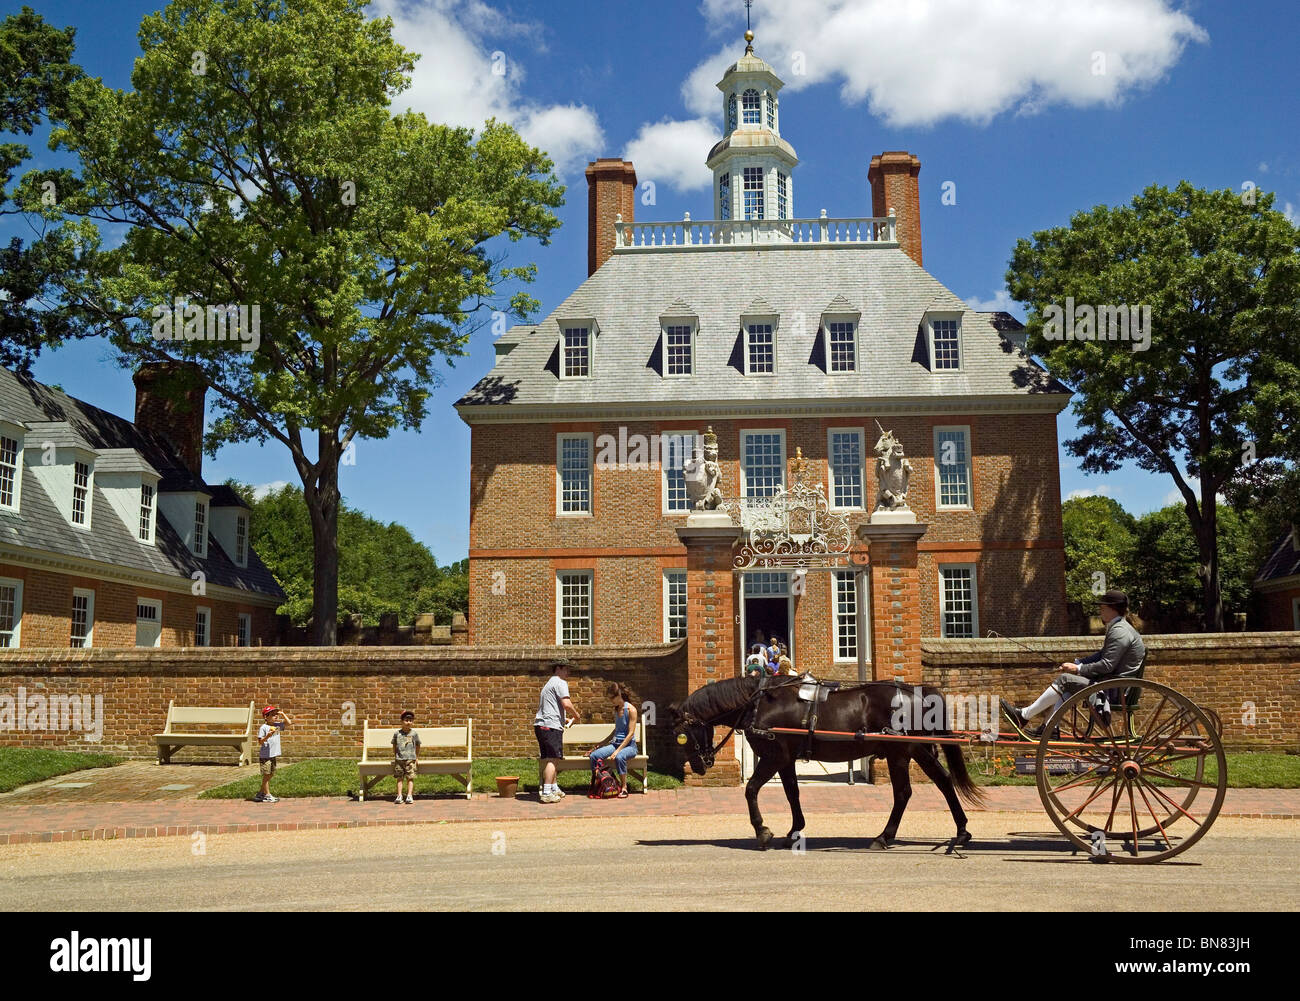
(894, 186)
(611, 191)
(169, 402)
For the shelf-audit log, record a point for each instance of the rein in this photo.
(739, 711)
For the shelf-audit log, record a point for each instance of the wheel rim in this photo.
(1151, 782)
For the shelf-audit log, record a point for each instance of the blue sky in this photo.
(1001, 98)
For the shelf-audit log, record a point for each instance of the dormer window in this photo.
(200, 528)
(945, 342)
(576, 363)
(760, 349)
(842, 345)
(241, 540)
(10, 457)
(146, 513)
(80, 493)
(750, 107)
(753, 192)
(679, 348)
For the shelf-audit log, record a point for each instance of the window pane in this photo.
(146, 511)
(677, 342)
(80, 483)
(8, 469)
(80, 619)
(846, 468)
(958, 602)
(749, 107)
(676, 599)
(782, 197)
(676, 449)
(760, 349)
(764, 471)
(200, 528)
(244, 629)
(201, 629)
(241, 539)
(575, 474)
(947, 351)
(954, 472)
(753, 192)
(846, 616)
(767, 584)
(8, 613)
(842, 346)
(575, 609)
(724, 196)
(577, 354)
(771, 112)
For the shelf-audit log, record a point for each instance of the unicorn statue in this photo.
(892, 473)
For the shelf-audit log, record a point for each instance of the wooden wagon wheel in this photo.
(1138, 772)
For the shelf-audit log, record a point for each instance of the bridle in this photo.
(741, 711)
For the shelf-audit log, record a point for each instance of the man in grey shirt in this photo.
(554, 712)
(1120, 656)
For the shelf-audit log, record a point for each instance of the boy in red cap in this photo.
(268, 739)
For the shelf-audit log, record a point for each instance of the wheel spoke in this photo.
(1160, 793)
(1168, 843)
(1180, 780)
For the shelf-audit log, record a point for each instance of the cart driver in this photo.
(1121, 655)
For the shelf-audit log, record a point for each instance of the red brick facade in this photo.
(47, 612)
(1011, 533)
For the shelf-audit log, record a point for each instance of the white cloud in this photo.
(266, 489)
(1175, 496)
(673, 152)
(465, 77)
(918, 64)
(1001, 301)
(1263, 167)
(1292, 214)
(1103, 490)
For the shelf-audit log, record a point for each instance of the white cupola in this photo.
(752, 164)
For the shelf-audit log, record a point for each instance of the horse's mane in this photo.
(712, 701)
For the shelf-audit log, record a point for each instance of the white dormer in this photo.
(943, 336)
(577, 346)
(63, 463)
(130, 485)
(187, 512)
(12, 436)
(230, 526)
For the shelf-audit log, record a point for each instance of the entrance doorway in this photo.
(766, 609)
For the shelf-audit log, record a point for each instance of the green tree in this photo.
(1099, 547)
(256, 162)
(1166, 570)
(36, 70)
(1219, 385)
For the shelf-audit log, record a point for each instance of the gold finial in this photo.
(797, 466)
(749, 40)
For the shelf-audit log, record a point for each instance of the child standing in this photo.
(756, 662)
(406, 750)
(268, 739)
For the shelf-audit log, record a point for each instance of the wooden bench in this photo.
(377, 753)
(238, 732)
(582, 737)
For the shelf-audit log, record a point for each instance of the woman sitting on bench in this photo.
(622, 742)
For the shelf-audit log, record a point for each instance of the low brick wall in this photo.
(328, 692)
(1226, 672)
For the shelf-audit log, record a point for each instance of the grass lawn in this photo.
(338, 777)
(20, 766)
(1246, 770)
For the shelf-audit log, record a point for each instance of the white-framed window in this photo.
(148, 622)
(146, 513)
(573, 607)
(846, 466)
(575, 360)
(241, 539)
(749, 107)
(81, 493)
(753, 181)
(945, 343)
(782, 196)
(760, 348)
(958, 601)
(674, 605)
(675, 448)
(731, 113)
(202, 626)
(724, 196)
(767, 584)
(11, 611)
(573, 474)
(83, 617)
(952, 467)
(844, 608)
(841, 346)
(771, 114)
(244, 629)
(679, 349)
(200, 527)
(762, 462)
(11, 457)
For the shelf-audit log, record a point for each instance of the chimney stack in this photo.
(894, 186)
(169, 402)
(611, 191)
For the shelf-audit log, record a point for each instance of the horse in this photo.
(754, 706)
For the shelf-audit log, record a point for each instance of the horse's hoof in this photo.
(765, 839)
(878, 845)
(961, 840)
(793, 838)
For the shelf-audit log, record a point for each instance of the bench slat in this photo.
(209, 714)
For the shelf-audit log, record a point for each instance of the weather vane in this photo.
(749, 30)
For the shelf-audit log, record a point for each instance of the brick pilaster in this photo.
(895, 600)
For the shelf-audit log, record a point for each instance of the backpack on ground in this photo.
(603, 783)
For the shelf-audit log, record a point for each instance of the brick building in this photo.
(108, 530)
(781, 333)
(1278, 584)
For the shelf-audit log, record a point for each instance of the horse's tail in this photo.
(961, 780)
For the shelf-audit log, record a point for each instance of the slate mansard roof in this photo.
(627, 296)
(121, 447)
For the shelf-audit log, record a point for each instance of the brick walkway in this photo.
(131, 780)
(26, 820)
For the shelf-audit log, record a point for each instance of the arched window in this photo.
(749, 107)
(731, 113)
(771, 112)
(724, 196)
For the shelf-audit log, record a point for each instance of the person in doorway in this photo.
(756, 662)
(1120, 656)
(555, 711)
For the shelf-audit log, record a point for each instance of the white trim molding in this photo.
(831, 482)
(968, 464)
(560, 438)
(974, 609)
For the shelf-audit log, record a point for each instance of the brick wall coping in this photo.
(1206, 647)
(324, 660)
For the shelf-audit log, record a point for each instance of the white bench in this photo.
(374, 766)
(590, 735)
(239, 732)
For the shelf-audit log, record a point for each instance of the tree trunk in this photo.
(1207, 541)
(322, 497)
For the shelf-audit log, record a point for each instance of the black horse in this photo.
(754, 706)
